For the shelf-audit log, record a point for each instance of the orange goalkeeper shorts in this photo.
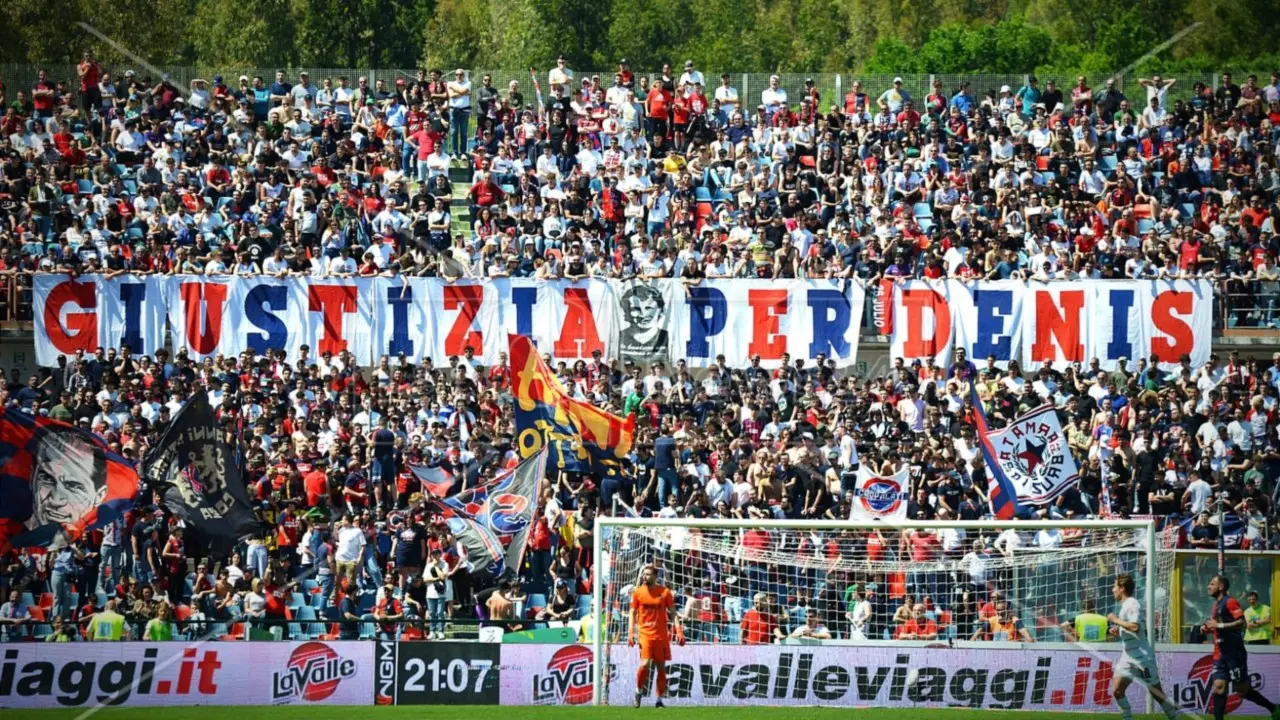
(655, 649)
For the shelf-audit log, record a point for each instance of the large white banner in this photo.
(971, 675)
(75, 675)
(644, 321)
(1055, 324)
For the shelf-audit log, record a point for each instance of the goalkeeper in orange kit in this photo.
(653, 608)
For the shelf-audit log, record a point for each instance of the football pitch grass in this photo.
(489, 712)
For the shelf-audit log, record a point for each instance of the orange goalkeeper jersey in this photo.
(651, 606)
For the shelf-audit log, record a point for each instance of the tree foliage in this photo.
(801, 36)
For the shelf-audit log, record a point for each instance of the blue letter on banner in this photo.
(831, 316)
(133, 295)
(708, 313)
(524, 298)
(1121, 301)
(400, 298)
(993, 307)
(255, 309)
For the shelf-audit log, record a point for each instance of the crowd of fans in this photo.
(644, 178)
(648, 176)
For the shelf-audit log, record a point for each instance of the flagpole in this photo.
(1222, 532)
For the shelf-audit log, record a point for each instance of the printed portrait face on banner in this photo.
(64, 482)
(643, 334)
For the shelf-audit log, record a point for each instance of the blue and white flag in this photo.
(879, 497)
(1032, 455)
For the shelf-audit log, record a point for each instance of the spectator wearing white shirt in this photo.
(774, 98)
(691, 77)
(727, 96)
(1157, 89)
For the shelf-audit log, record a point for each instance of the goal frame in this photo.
(601, 522)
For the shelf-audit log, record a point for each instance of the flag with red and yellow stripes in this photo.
(581, 436)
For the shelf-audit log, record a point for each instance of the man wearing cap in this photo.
(894, 98)
(304, 92)
(691, 77)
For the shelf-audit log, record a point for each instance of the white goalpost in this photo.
(849, 590)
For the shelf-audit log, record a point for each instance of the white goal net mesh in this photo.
(947, 582)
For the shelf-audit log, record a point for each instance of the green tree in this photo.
(231, 33)
(649, 32)
(893, 56)
(457, 35)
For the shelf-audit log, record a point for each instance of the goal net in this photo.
(865, 585)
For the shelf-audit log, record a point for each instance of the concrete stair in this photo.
(460, 178)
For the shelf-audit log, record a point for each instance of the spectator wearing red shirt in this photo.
(657, 110)
(485, 193)
(918, 627)
(855, 101)
(44, 96)
(175, 564)
(90, 73)
(760, 624)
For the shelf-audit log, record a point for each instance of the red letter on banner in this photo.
(82, 327)
(1063, 325)
(914, 303)
(203, 301)
(578, 335)
(767, 308)
(1165, 310)
(332, 301)
(466, 299)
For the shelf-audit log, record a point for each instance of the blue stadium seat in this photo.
(1188, 210)
(1107, 164)
(536, 600)
(368, 630)
(922, 210)
(1145, 225)
(734, 607)
(733, 633)
(584, 606)
(85, 187)
(702, 194)
(303, 619)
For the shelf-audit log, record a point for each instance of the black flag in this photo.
(195, 472)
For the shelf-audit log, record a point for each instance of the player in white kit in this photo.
(1137, 659)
